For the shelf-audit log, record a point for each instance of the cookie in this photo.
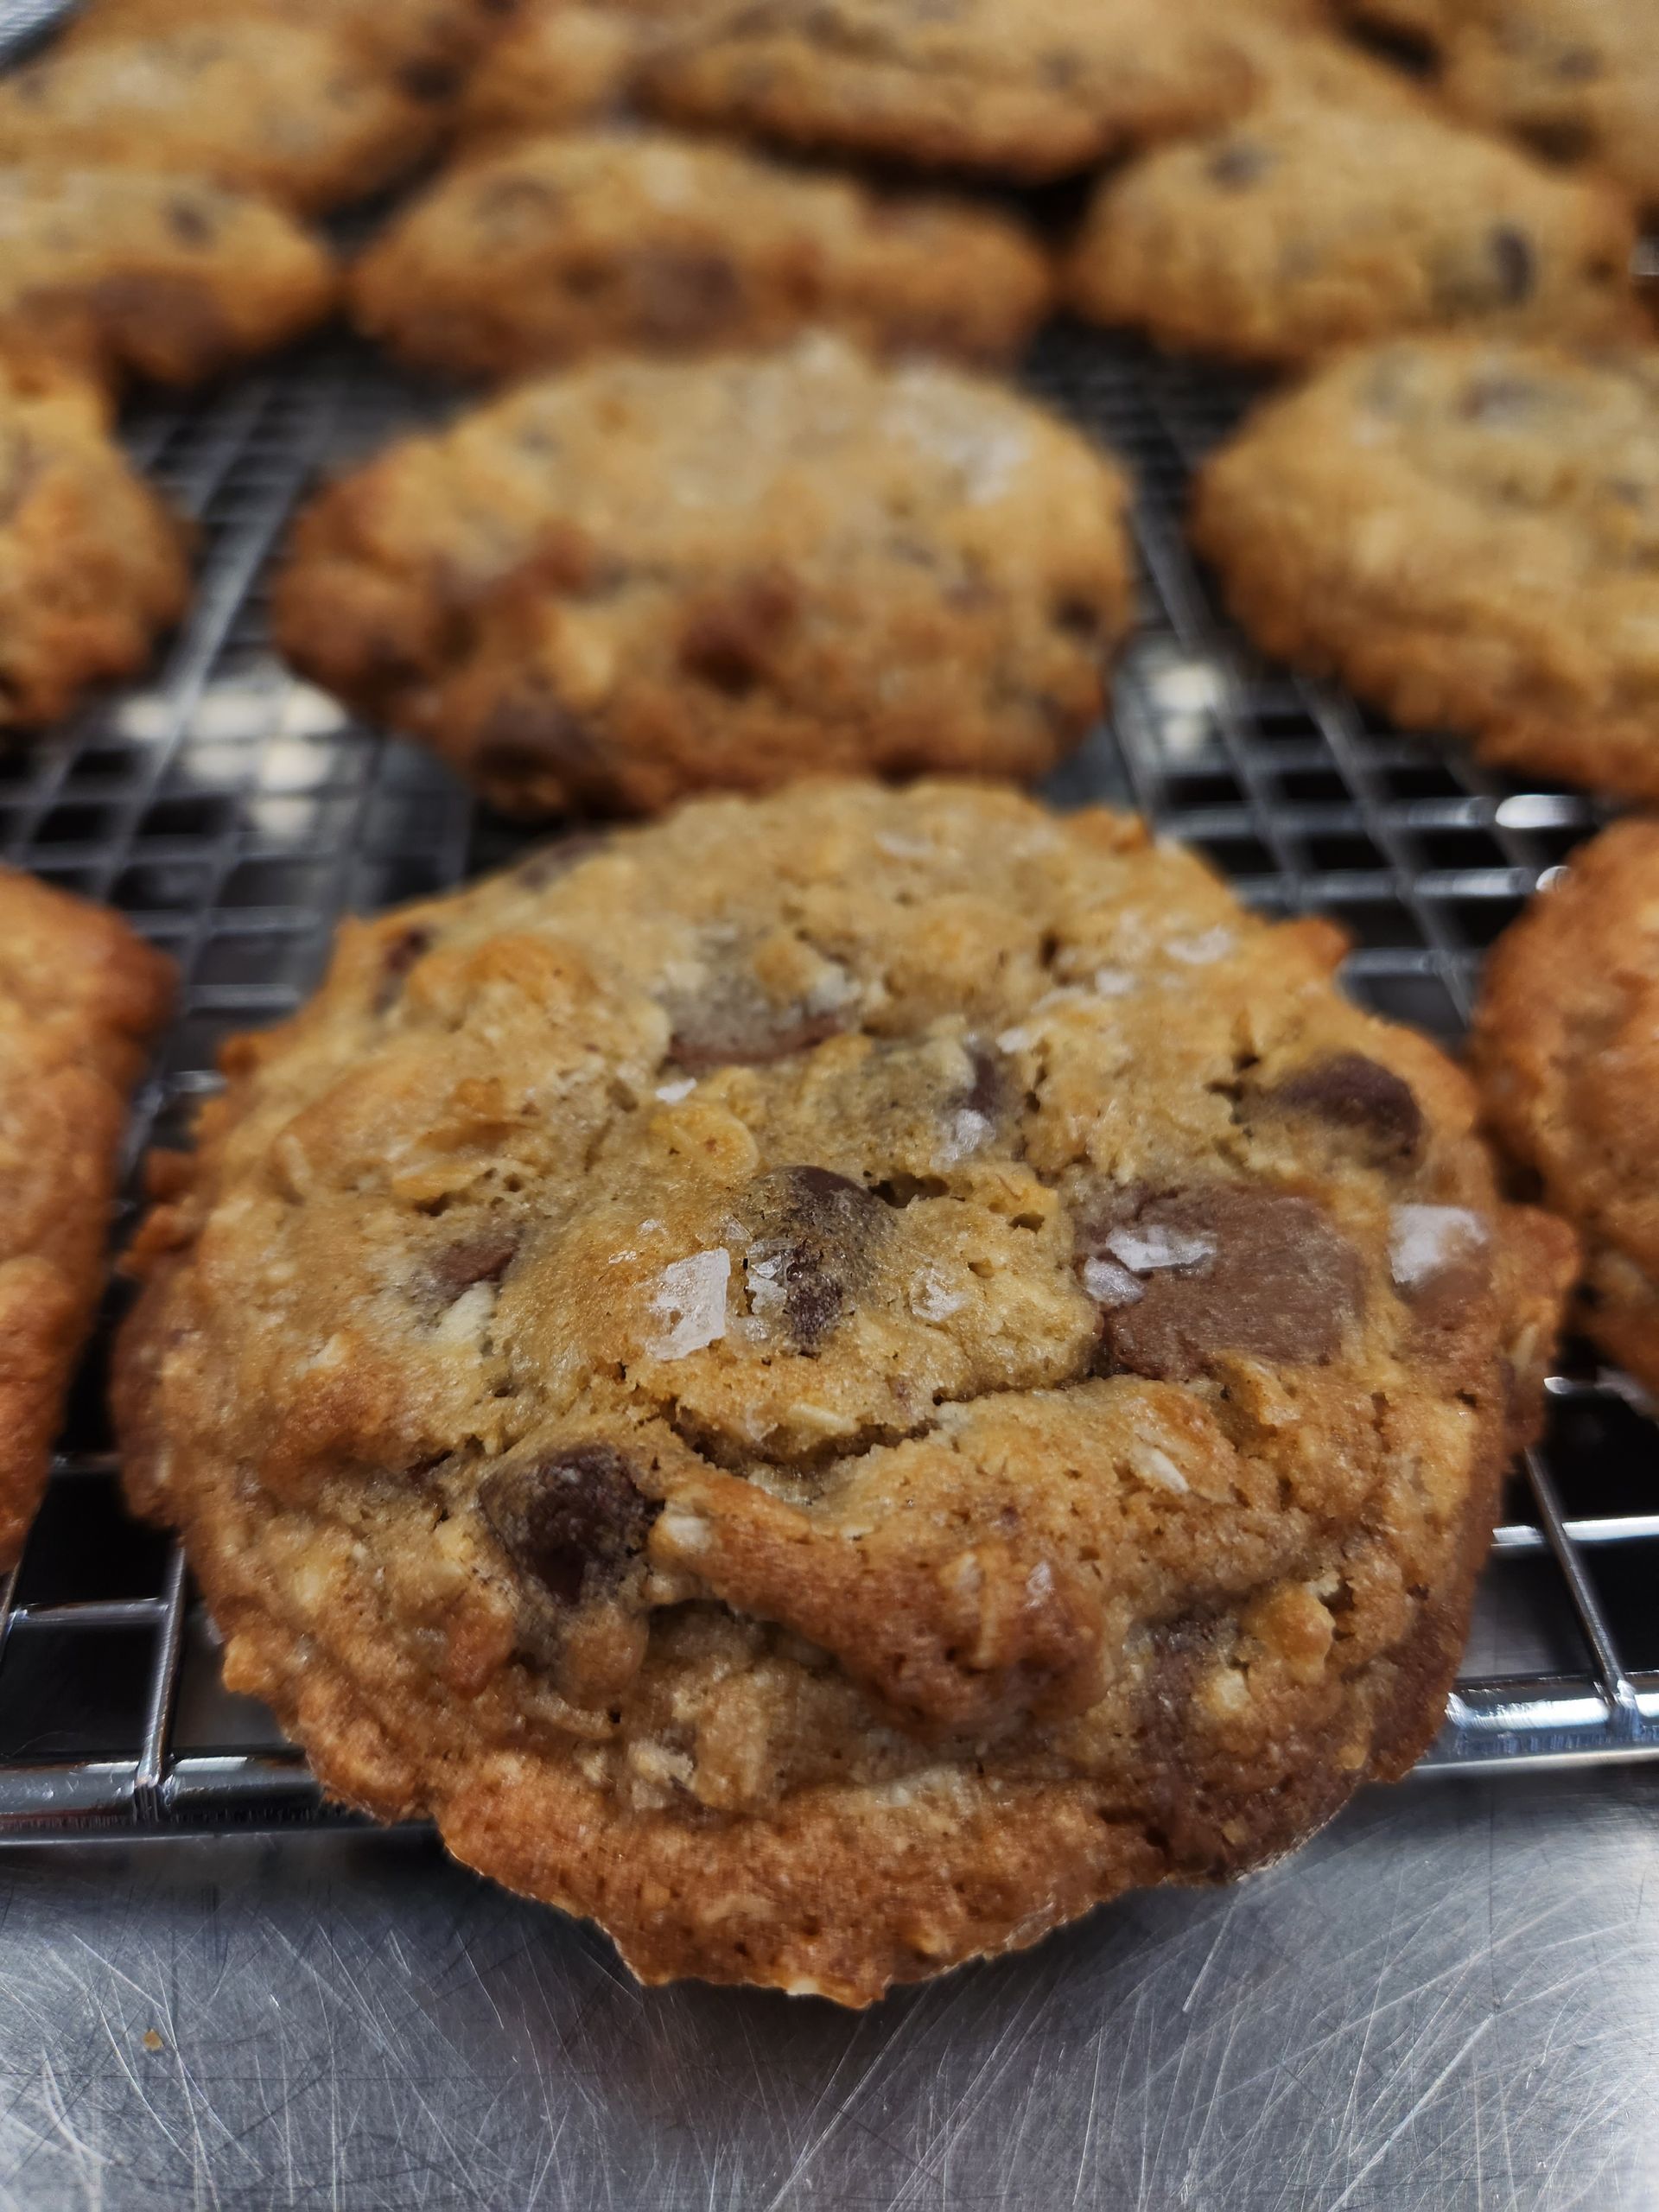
(431, 40)
(115, 271)
(830, 1381)
(1466, 533)
(1025, 89)
(81, 996)
(1578, 79)
(257, 105)
(92, 565)
(1308, 226)
(611, 588)
(596, 241)
(1566, 1049)
(562, 63)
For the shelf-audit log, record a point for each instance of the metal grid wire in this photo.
(234, 813)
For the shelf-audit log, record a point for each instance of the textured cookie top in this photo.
(1310, 225)
(1566, 1048)
(597, 241)
(92, 565)
(800, 1351)
(262, 106)
(1578, 79)
(1470, 531)
(80, 997)
(118, 270)
(420, 35)
(1024, 88)
(613, 586)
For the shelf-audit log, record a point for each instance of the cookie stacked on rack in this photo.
(835, 1378)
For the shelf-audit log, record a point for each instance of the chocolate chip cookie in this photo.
(1566, 1048)
(81, 997)
(595, 241)
(1309, 226)
(92, 565)
(115, 271)
(1025, 89)
(428, 39)
(611, 588)
(1578, 79)
(562, 63)
(258, 106)
(832, 1381)
(1467, 533)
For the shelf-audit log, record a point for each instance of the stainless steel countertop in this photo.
(1450, 2000)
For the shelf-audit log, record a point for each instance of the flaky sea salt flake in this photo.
(690, 1301)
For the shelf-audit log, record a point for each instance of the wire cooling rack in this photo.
(234, 813)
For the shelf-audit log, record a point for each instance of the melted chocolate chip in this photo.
(533, 741)
(1352, 1093)
(189, 224)
(399, 957)
(573, 1522)
(681, 298)
(1270, 1279)
(428, 81)
(483, 1258)
(729, 641)
(1562, 138)
(989, 1092)
(1515, 262)
(1578, 65)
(1238, 163)
(815, 1230)
(730, 1022)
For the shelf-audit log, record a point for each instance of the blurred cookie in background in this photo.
(639, 580)
(595, 241)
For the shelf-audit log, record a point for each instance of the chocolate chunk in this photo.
(1223, 1267)
(728, 641)
(989, 1091)
(532, 750)
(1516, 263)
(573, 1520)
(429, 80)
(1241, 162)
(485, 1257)
(399, 957)
(1352, 1093)
(1560, 138)
(811, 1251)
(680, 297)
(730, 1022)
(189, 224)
(1079, 618)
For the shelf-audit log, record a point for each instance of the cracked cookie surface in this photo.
(604, 241)
(643, 579)
(1467, 533)
(1310, 225)
(119, 270)
(833, 1380)
(81, 997)
(1566, 1048)
(256, 105)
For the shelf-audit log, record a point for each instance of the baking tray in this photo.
(234, 813)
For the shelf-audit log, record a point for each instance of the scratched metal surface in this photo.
(1449, 2003)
